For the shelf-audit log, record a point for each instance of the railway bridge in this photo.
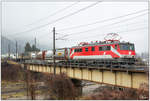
(129, 78)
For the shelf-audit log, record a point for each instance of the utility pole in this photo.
(35, 42)
(54, 51)
(16, 50)
(35, 47)
(8, 50)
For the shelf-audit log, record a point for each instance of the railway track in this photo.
(92, 64)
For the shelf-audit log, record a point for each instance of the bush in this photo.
(143, 91)
(60, 87)
(11, 72)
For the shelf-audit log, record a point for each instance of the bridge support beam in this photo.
(115, 77)
(78, 86)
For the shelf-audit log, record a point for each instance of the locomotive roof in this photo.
(102, 43)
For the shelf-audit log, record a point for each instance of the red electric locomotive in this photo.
(103, 50)
(108, 53)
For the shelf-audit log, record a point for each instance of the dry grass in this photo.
(126, 94)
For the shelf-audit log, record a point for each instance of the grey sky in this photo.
(20, 17)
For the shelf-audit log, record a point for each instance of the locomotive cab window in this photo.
(131, 47)
(93, 48)
(124, 47)
(86, 49)
(127, 47)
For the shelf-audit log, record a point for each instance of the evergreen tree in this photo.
(28, 47)
(33, 48)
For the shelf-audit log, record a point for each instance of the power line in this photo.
(119, 32)
(85, 25)
(61, 18)
(121, 21)
(41, 36)
(35, 43)
(9, 50)
(134, 29)
(64, 36)
(16, 50)
(55, 13)
(77, 33)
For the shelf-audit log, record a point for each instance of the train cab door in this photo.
(115, 50)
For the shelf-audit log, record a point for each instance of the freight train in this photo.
(103, 53)
(106, 53)
(92, 51)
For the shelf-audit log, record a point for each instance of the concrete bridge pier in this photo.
(78, 86)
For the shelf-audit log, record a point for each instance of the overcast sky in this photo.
(26, 20)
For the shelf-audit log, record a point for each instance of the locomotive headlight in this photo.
(129, 53)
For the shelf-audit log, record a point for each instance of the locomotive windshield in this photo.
(127, 47)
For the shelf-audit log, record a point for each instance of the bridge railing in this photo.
(82, 65)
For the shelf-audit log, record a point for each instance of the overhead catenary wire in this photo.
(61, 18)
(100, 21)
(111, 25)
(55, 13)
(136, 29)
(133, 29)
(78, 33)
(104, 34)
(63, 37)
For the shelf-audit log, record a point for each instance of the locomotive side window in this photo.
(100, 49)
(75, 50)
(116, 47)
(86, 49)
(93, 48)
(104, 48)
(80, 50)
(107, 47)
